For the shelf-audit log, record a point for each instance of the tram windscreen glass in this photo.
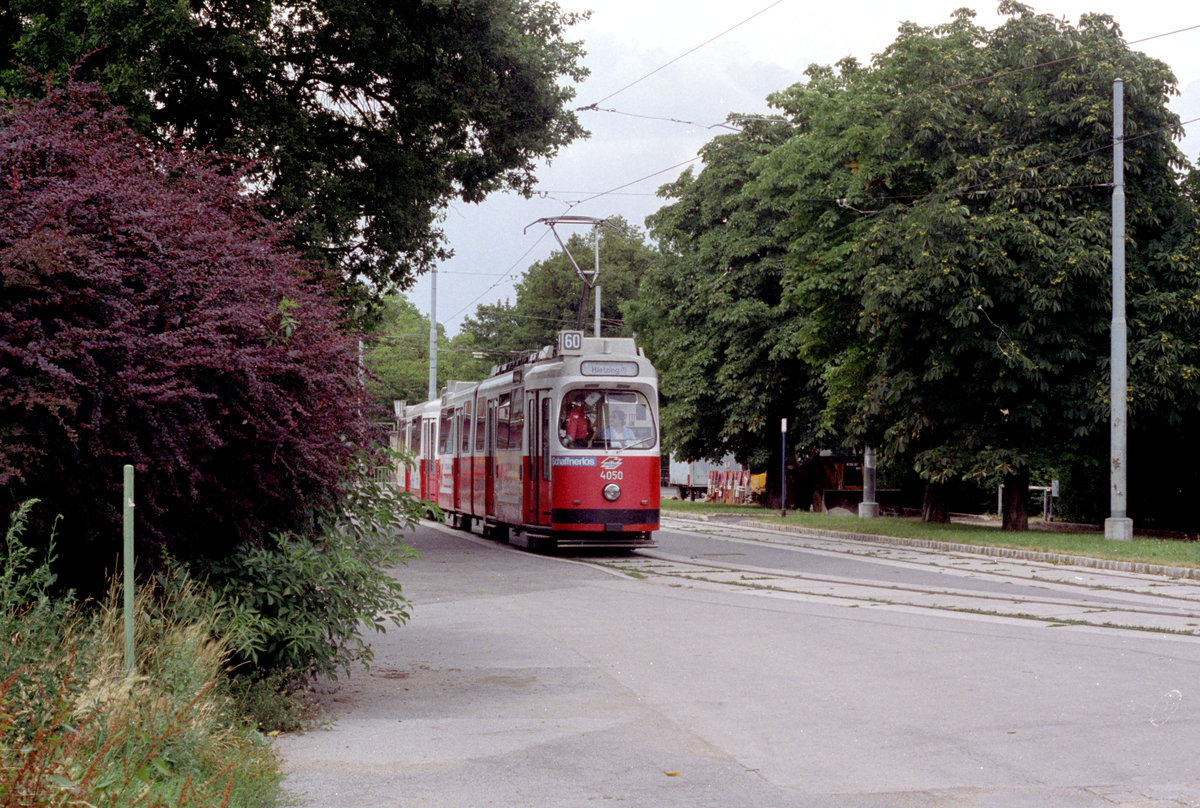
(606, 419)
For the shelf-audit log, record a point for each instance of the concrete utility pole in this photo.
(433, 391)
(868, 508)
(1118, 526)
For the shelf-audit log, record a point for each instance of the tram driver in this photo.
(616, 433)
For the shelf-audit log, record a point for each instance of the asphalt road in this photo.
(718, 673)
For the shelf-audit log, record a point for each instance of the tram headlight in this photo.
(612, 491)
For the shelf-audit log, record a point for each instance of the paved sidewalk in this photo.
(538, 682)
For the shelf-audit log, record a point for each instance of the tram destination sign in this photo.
(593, 367)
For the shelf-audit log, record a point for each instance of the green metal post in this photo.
(128, 557)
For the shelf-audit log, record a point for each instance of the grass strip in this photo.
(1168, 552)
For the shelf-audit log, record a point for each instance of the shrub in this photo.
(150, 315)
(298, 605)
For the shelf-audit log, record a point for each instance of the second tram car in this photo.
(557, 449)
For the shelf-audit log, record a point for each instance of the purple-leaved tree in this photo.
(150, 315)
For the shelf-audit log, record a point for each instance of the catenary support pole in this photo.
(433, 334)
(596, 275)
(1118, 526)
(127, 518)
(868, 508)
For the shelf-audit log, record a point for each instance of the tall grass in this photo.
(77, 730)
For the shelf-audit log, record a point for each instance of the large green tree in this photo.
(551, 296)
(397, 356)
(946, 232)
(713, 315)
(362, 119)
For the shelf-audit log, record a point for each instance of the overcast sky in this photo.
(627, 39)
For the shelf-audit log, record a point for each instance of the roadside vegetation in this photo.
(223, 658)
(153, 317)
(1090, 544)
(913, 255)
(77, 729)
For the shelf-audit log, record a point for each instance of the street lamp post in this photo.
(783, 468)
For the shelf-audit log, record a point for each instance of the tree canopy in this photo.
(713, 315)
(397, 357)
(361, 120)
(939, 224)
(551, 295)
(149, 315)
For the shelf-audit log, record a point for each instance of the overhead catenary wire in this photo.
(891, 101)
(635, 182)
(939, 88)
(888, 102)
(978, 189)
(498, 280)
(682, 56)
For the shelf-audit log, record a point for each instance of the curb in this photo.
(1015, 553)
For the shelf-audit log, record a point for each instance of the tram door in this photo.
(537, 503)
(478, 462)
(489, 462)
(429, 480)
(545, 430)
(463, 475)
(456, 460)
(529, 497)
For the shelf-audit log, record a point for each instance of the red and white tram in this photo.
(558, 448)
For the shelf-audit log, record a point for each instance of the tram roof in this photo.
(603, 346)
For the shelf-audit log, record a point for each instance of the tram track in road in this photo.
(1021, 571)
(1031, 571)
(859, 575)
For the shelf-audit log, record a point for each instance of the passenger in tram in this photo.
(575, 424)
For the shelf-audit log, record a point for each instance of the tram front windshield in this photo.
(606, 419)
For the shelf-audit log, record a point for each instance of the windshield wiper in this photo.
(632, 445)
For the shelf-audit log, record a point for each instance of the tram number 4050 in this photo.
(612, 475)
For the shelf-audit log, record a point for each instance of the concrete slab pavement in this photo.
(534, 681)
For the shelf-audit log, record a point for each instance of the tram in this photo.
(559, 448)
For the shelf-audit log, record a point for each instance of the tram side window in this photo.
(414, 437)
(466, 429)
(502, 416)
(516, 423)
(481, 427)
(445, 431)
